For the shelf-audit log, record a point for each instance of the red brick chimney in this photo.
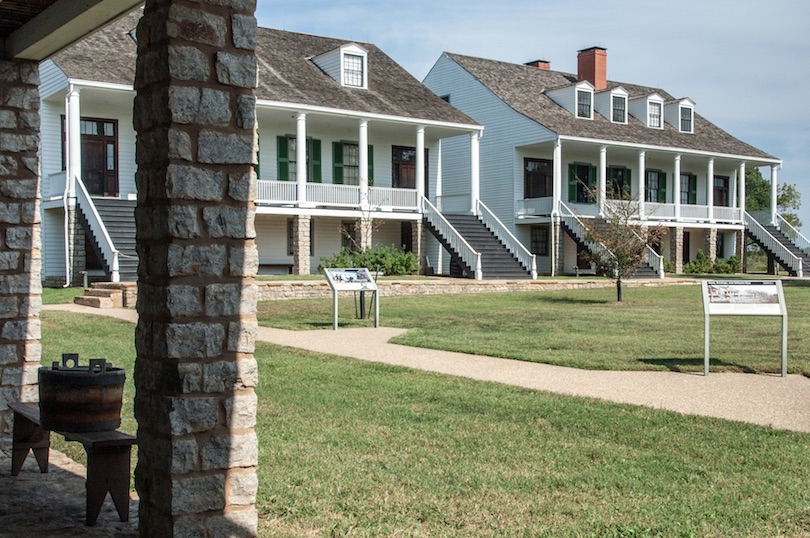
(540, 64)
(592, 66)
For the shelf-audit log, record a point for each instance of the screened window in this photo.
(287, 159)
(538, 175)
(348, 235)
(618, 183)
(539, 244)
(353, 74)
(351, 164)
(584, 104)
(619, 109)
(688, 189)
(721, 191)
(581, 183)
(656, 186)
(654, 112)
(686, 119)
(346, 163)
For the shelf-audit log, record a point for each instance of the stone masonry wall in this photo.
(195, 371)
(20, 249)
(301, 244)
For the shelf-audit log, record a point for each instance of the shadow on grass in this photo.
(683, 365)
(572, 300)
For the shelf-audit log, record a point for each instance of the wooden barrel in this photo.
(81, 399)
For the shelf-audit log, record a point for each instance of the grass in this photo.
(357, 449)
(60, 295)
(655, 328)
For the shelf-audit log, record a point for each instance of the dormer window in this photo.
(584, 104)
(687, 119)
(353, 71)
(347, 64)
(618, 105)
(654, 115)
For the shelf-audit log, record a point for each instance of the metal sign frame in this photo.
(743, 298)
(351, 279)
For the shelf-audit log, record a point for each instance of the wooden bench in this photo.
(108, 458)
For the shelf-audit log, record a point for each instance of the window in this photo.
(721, 193)
(619, 106)
(403, 168)
(687, 115)
(353, 72)
(688, 189)
(348, 235)
(581, 183)
(584, 99)
(539, 244)
(654, 114)
(656, 186)
(720, 246)
(618, 187)
(291, 237)
(286, 156)
(538, 175)
(99, 147)
(346, 163)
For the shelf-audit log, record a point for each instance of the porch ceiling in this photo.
(37, 29)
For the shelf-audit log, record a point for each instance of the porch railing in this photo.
(391, 198)
(346, 196)
(790, 260)
(727, 214)
(535, 206)
(697, 212)
(580, 230)
(333, 195)
(108, 250)
(526, 258)
(456, 241)
(284, 192)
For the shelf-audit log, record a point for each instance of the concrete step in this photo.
(93, 301)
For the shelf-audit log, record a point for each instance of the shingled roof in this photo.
(286, 73)
(524, 88)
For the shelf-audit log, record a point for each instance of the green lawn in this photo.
(655, 328)
(349, 448)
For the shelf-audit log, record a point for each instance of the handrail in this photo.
(791, 261)
(524, 256)
(456, 241)
(108, 250)
(654, 260)
(578, 227)
(800, 241)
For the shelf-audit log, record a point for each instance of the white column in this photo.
(557, 164)
(732, 187)
(741, 196)
(420, 162)
(676, 187)
(710, 188)
(475, 172)
(301, 158)
(74, 142)
(642, 177)
(438, 179)
(363, 164)
(774, 193)
(601, 188)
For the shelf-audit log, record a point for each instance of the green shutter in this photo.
(692, 189)
(315, 175)
(337, 163)
(370, 165)
(591, 181)
(283, 158)
(572, 184)
(629, 185)
(662, 188)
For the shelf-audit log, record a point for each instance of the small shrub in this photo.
(390, 260)
(703, 264)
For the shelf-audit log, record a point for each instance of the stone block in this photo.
(242, 488)
(8, 166)
(244, 261)
(192, 183)
(8, 354)
(229, 451)
(192, 415)
(187, 63)
(244, 31)
(233, 222)
(242, 336)
(8, 119)
(23, 189)
(194, 340)
(242, 187)
(28, 329)
(198, 493)
(10, 213)
(240, 411)
(202, 260)
(180, 145)
(199, 106)
(214, 147)
(9, 260)
(238, 70)
(192, 24)
(184, 300)
(185, 456)
(235, 524)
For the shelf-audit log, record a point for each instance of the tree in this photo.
(621, 241)
(758, 196)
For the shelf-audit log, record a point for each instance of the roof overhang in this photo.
(44, 32)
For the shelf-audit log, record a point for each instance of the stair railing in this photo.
(790, 260)
(801, 242)
(456, 241)
(526, 258)
(580, 230)
(88, 209)
(654, 260)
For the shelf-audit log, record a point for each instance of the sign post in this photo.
(743, 298)
(351, 280)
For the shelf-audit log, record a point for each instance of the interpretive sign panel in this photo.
(743, 298)
(351, 279)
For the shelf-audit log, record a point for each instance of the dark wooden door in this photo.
(93, 166)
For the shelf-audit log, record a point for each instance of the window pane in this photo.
(110, 156)
(351, 164)
(583, 104)
(89, 127)
(655, 114)
(686, 120)
(619, 108)
(353, 70)
(109, 129)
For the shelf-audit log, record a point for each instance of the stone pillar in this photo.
(195, 371)
(20, 255)
(676, 249)
(416, 238)
(710, 244)
(364, 232)
(301, 244)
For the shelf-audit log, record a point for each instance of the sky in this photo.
(745, 63)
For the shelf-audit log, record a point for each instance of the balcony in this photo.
(285, 193)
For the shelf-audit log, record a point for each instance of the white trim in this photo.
(101, 85)
(588, 91)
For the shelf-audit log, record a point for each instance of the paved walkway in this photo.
(768, 400)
